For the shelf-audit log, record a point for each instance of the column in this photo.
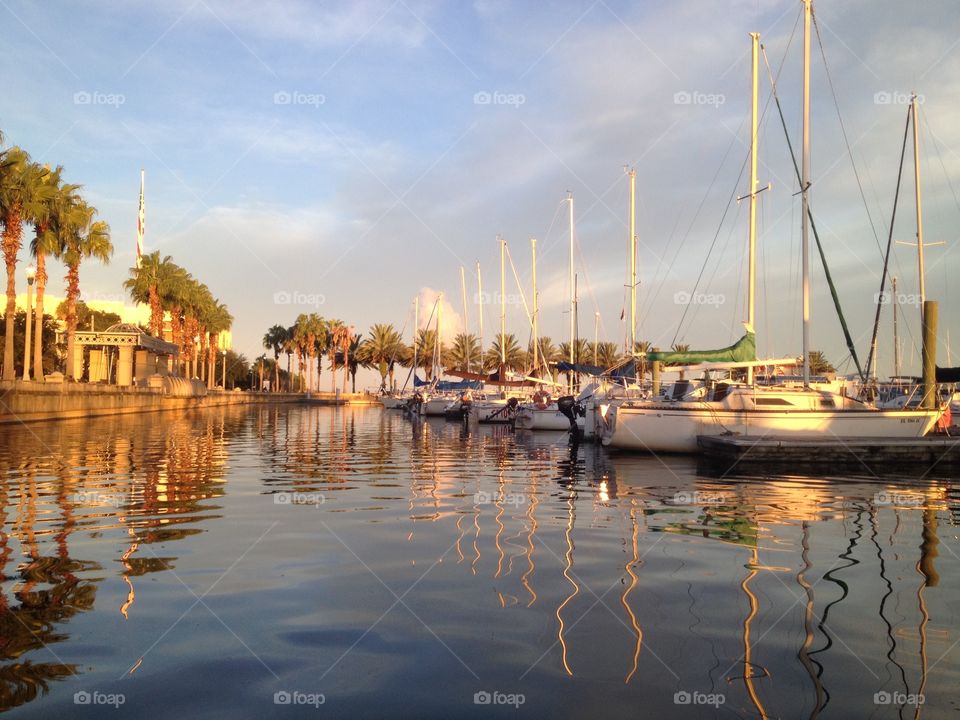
(98, 364)
(125, 366)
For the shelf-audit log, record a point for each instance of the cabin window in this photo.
(779, 402)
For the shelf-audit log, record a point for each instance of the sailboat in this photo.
(751, 409)
(543, 412)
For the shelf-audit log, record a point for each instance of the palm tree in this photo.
(218, 320)
(548, 354)
(819, 365)
(46, 242)
(354, 360)
(514, 356)
(274, 339)
(383, 349)
(150, 284)
(464, 354)
(608, 354)
(87, 238)
(304, 343)
(23, 192)
(426, 343)
(289, 348)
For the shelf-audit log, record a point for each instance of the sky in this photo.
(344, 158)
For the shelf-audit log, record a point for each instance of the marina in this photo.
(480, 360)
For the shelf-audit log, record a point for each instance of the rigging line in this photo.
(517, 279)
(693, 221)
(843, 131)
(816, 235)
(886, 259)
(936, 146)
(712, 244)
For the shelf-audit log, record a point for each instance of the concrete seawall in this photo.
(31, 402)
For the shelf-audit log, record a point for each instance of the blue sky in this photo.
(382, 174)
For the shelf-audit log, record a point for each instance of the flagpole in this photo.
(140, 222)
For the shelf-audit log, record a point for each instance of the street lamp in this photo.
(31, 274)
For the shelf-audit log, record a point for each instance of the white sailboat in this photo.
(751, 409)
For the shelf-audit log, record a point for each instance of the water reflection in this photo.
(524, 562)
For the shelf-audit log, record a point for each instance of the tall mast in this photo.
(439, 341)
(916, 177)
(633, 261)
(416, 332)
(503, 303)
(805, 191)
(896, 336)
(573, 289)
(480, 303)
(466, 326)
(536, 307)
(752, 252)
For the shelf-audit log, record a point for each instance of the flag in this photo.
(140, 224)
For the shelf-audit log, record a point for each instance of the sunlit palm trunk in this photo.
(12, 236)
(346, 367)
(38, 318)
(73, 293)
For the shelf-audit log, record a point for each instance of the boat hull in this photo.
(674, 429)
(550, 418)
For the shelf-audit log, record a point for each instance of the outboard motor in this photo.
(571, 409)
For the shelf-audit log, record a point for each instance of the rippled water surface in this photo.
(253, 562)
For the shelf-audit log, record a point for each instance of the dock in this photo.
(937, 450)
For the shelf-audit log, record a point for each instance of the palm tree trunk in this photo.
(73, 293)
(333, 372)
(346, 366)
(288, 372)
(38, 318)
(12, 234)
(276, 371)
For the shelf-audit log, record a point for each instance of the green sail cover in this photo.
(744, 350)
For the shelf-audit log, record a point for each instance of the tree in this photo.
(383, 349)
(274, 339)
(608, 354)
(86, 238)
(819, 365)
(50, 355)
(23, 192)
(513, 354)
(152, 284)
(464, 354)
(87, 317)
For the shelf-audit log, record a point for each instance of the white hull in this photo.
(490, 411)
(436, 407)
(549, 418)
(661, 428)
(392, 402)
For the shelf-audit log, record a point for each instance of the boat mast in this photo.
(503, 304)
(416, 332)
(805, 192)
(536, 308)
(438, 342)
(633, 261)
(480, 303)
(916, 177)
(463, 292)
(573, 290)
(896, 337)
(752, 250)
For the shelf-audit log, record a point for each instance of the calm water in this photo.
(164, 566)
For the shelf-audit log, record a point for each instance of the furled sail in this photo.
(744, 350)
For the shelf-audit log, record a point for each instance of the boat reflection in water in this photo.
(221, 557)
